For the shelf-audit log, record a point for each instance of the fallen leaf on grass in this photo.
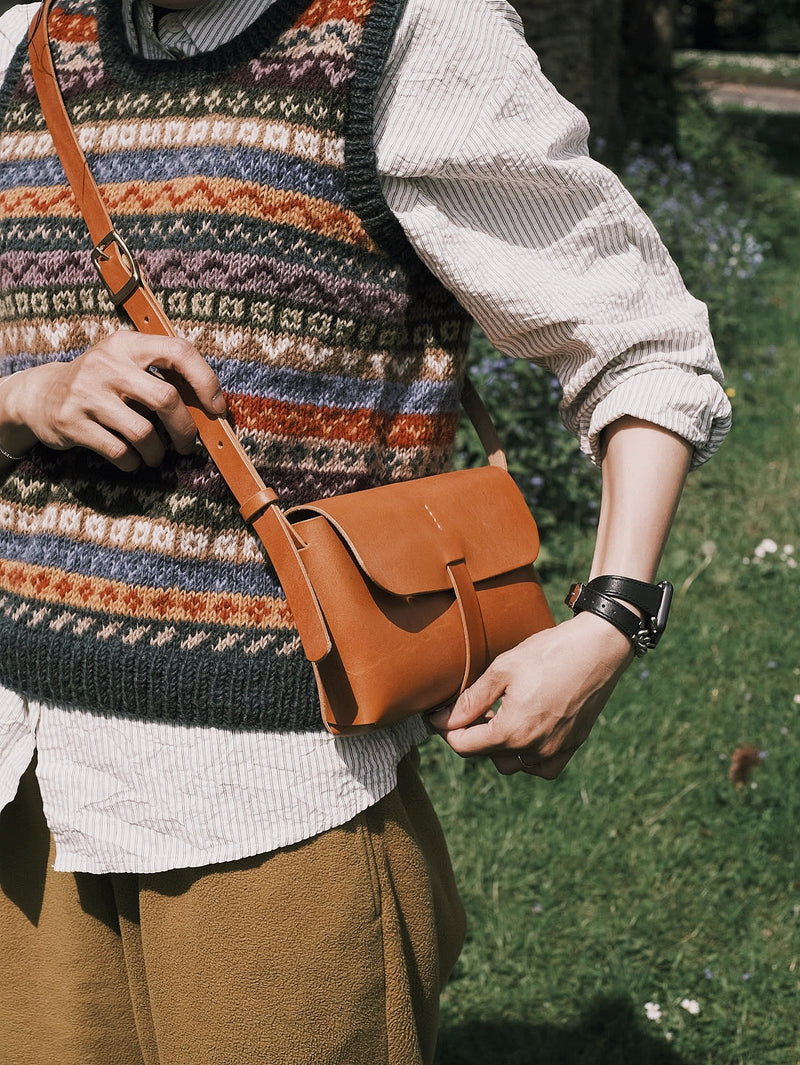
(743, 761)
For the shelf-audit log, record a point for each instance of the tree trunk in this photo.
(578, 44)
(706, 34)
(647, 86)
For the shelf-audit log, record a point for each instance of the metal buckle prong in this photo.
(99, 255)
(663, 609)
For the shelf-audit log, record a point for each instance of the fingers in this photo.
(118, 451)
(154, 394)
(175, 355)
(532, 764)
(475, 702)
(112, 397)
(172, 353)
(168, 399)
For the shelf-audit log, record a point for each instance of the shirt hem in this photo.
(372, 791)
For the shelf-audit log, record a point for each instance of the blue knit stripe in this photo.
(91, 559)
(268, 168)
(282, 384)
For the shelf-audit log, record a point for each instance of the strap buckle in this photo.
(574, 594)
(100, 256)
(648, 636)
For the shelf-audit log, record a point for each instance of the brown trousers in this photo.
(331, 951)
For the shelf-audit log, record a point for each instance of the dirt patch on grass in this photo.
(757, 97)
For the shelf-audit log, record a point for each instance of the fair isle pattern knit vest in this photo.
(244, 180)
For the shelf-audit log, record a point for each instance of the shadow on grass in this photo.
(608, 1033)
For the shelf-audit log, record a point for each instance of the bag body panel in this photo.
(398, 653)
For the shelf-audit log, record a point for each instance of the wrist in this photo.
(16, 437)
(614, 647)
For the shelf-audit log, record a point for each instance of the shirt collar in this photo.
(187, 33)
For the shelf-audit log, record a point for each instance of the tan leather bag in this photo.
(402, 594)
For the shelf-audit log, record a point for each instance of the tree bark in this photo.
(578, 44)
(613, 59)
(647, 86)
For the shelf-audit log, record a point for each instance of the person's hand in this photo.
(105, 398)
(552, 688)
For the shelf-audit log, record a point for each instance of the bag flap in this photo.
(403, 535)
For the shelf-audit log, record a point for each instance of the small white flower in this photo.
(691, 1005)
(796, 699)
(653, 1011)
(766, 547)
(788, 549)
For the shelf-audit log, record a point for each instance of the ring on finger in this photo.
(527, 765)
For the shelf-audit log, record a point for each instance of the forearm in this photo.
(644, 468)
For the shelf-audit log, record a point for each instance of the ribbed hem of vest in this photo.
(193, 688)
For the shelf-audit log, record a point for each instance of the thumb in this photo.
(474, 703)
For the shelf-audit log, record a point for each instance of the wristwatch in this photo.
(601, 597)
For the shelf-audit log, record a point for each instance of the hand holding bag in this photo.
(402, 594)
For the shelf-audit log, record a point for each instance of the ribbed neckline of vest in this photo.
(158, 74)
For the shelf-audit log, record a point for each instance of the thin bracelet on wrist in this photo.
(3, 452)
(9, 456)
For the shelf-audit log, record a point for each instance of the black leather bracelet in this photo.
(600, 596)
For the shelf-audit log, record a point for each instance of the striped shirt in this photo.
(485, 167)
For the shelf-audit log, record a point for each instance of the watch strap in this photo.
(583, 598)
(645, 597)
(653, 600)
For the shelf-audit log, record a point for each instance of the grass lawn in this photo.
(643, 875)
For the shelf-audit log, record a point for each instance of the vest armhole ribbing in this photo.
(363, 183)
(12, 76)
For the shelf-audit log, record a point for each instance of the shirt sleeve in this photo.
(487, 170)
(13, 27)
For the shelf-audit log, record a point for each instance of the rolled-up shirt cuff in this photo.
(694, 406)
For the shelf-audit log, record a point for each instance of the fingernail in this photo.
(219, 403)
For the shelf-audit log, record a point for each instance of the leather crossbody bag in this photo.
(401, 594)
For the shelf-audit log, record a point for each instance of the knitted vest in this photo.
(244, 181)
